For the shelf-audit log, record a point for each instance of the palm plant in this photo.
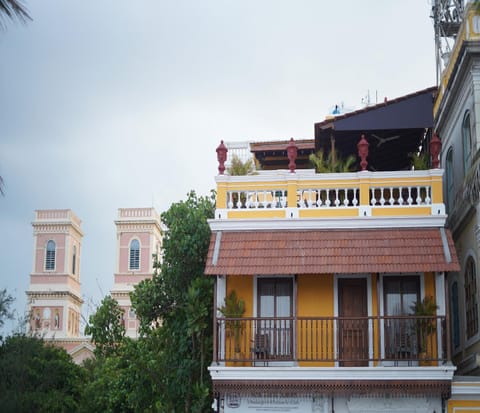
(233, 308)
(238, 167)
(425, 323)
(332, 163)
(12, 9)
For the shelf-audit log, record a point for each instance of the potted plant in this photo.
(233, 308)
(424, 326)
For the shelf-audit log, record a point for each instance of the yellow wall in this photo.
(463, 406)
(315, 299)
(243, 285)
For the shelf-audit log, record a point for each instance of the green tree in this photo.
(106, 327)
(13, 9)
(6, 301)
(175, 310)
(37, 377)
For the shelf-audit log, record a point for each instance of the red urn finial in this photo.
(435, 147)
(221, 157)
(292, 151)
(362, 147)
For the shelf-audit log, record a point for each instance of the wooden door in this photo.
(352, 332)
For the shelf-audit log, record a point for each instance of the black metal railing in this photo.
(348, 341)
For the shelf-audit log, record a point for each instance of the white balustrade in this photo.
(267, 198)
(326, 197)
(380, 196)
(400, 196)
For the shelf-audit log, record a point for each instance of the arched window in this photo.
(456, 316)
(134, 262)
(74, 259)
(471, 303)
(467, 142)
(50, 256)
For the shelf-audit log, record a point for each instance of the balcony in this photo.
(331, 341)
(306, 194)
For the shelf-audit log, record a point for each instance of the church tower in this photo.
(54, 297)
(139, 238)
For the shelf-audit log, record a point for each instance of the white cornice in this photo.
(332, 373)
(327, 223)
(309, 174)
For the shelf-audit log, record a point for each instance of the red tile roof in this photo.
(330, 251)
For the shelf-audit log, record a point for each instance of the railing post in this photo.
(447, 321)
(215, 326)
(292, 187)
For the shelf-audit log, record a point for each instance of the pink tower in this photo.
(139, 238)
(54, 297)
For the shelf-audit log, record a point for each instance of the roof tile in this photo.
(331, 251)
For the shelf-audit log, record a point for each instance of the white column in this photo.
(441, 311)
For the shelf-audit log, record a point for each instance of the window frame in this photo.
(136, 259)
(467, 142)
(471, 298)
(455, 315)
(50, 256)
(74, 259)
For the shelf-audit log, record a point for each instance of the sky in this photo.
(119, 104)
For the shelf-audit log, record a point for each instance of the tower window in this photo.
(50, 256)
(134, 262)
(74, 259)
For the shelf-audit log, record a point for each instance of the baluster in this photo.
(319, 196)
(337, 201)
(247, 199)
(230, 200)
(327, 201)
(310, 202)
(264, 200)
(256, 202)
(284, 199)
(428, 200)
(419, 198)
(373, 201)
(400, 196)
(382, 199)
(345, 199)
(354, 200)
(239, 201)
(391, 201)
(409, 199)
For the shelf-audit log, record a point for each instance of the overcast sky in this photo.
(112, 104)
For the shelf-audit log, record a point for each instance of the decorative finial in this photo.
(221, 157)
(292, 151)
(362, 147)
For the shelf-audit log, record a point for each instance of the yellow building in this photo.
(341, 278)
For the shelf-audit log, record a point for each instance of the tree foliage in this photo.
(180, 346)
(165, 369)
(13, 9)
(6, 301)
(238, 167)
(332, 163)
(37, 377)
(106, 327)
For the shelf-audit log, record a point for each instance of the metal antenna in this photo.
(447, 17)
